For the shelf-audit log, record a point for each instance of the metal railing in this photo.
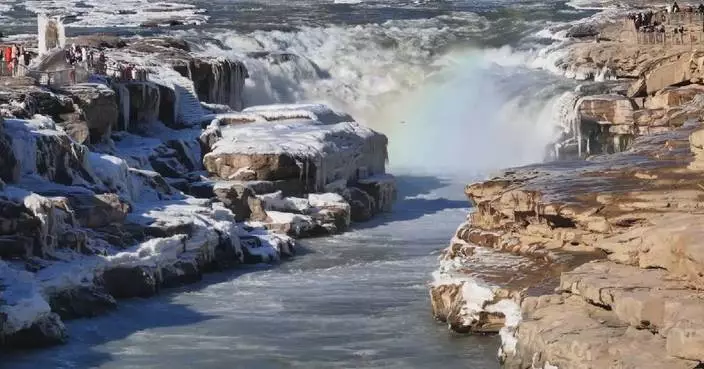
(78, 74)
(62, 77)
(12, 70)
(690, 24)
(683, 18)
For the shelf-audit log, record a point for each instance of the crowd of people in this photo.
(675, 8)
(650, 26)
(14, 59)
(129, 72)
(78, 54)
(117, 71)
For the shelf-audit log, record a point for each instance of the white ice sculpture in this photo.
(50, 32)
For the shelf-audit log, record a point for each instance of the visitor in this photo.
(675, 7)
(700, 8)
(89, 60)
(15, 58)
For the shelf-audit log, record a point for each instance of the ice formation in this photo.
(327, 150)
(51, 33)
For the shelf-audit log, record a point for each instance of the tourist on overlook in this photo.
(675, 7)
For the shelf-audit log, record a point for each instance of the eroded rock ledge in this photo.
(116, 189)
(639, 306)
(595, 263)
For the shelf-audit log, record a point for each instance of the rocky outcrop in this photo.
(97, 108)
(217, 81)
(639, 305)
(253, 150)
(104, 197)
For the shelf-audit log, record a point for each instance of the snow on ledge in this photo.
(20, 299)
(476, 295)
(315, 112)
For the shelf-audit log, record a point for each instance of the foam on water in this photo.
(124, 13)
(401, 75)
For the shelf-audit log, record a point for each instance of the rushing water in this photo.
(455, 86)
(358, 300)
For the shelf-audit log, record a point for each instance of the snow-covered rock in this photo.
(310, 143)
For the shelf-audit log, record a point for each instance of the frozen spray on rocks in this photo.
(160, 188)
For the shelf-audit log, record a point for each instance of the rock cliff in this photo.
(619, 282)
(120, 187)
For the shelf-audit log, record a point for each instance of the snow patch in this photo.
(21, 300)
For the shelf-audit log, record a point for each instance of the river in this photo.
(458, 88)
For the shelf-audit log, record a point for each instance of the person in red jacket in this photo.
(8, 58)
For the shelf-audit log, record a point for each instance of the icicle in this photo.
(579, 142)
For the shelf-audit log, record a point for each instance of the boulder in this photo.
(331, 211)
(98, 108)
(81, 302)
(362, 205)
(267, 167)
(130, 281)
(239, 198)
(181, 273)
(673, 96)
(49, 330)
(382, 188)
(607, 109)
(96, 211)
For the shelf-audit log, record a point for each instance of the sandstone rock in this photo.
(362, 204)
(382, 189)
(95, 211)
(218, 81)
(130, 281)
(294, 225)
(55, 156)
(669, 73)
(268, 167)
(81, 302)
(670, 243)
(306, 131)
(332, 211)
(570, 333)
(98, 108)
(148, 179)
(607, 109)
(181, 273)
(240, 199)
(47, 331)
(674, 96)
(276, 202)
(636, 296)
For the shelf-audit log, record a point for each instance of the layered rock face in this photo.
(636, 210)
(609, 269)
(114, 189)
